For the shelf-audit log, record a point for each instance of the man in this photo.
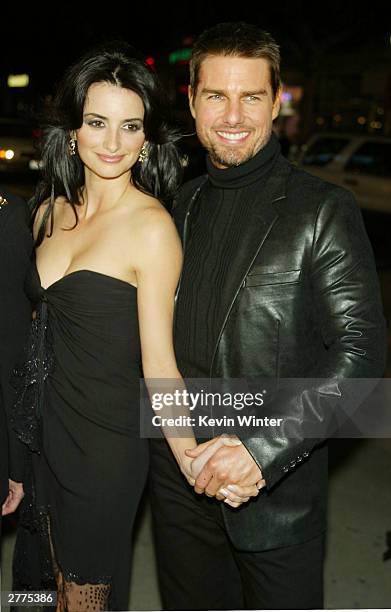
(15, 317)
(278, 282)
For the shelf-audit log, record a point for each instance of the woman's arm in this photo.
(159, 263)
(158, 267)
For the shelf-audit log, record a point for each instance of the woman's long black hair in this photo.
(63, 174)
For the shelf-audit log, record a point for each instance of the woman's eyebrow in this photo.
(103, 117)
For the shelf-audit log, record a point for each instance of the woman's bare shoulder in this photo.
(149, 215)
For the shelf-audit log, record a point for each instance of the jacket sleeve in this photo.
(15, 316)
(347, 302)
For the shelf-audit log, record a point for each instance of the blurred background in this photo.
(336, 69)
(335, 122)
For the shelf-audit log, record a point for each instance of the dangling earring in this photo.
(143, 154)
(72, 146)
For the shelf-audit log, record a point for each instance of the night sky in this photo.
(45, 42)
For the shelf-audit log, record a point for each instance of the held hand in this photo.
(233, 495)
(229, 465)
(190, 468)
(203, 452)
(15, 496)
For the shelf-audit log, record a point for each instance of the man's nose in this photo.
(233, 112)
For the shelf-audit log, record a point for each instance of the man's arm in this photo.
(346, 296)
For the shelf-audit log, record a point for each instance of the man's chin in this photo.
(229, 159)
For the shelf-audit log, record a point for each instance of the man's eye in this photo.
(215, 97)
(252, 98)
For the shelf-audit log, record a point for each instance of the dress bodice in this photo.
(84, 343)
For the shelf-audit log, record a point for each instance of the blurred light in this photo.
(183, 89)
(35, 164)
(18, 80)
(150, 61)
(376, 125)
(291, 93)
(286, 96)
(181, 55)
(7, 154)
(361, 120)
(337, 118)
(320, 120)
(380, 111)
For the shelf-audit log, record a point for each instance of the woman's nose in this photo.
(112, 141)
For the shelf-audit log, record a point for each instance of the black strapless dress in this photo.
(78, 411)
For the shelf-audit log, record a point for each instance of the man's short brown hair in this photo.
(236, 40)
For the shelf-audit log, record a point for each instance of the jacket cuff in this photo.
(277, 457)
(17, 459)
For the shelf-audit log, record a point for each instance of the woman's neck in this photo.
(100, 194)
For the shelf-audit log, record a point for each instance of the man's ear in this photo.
(190, 94)
(277, 103)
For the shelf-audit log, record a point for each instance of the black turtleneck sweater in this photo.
(217, 225)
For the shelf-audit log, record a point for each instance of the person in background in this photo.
(15, 318)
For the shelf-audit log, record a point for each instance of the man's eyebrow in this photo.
(259, 92)
(213, 91)
(221, 92)
(102, 117)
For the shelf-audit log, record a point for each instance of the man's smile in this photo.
(232, 137)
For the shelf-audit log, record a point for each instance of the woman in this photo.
(108, 259)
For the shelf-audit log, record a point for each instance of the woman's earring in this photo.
(72, 146)
(143, 154)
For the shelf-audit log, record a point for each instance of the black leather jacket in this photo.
(302, 301)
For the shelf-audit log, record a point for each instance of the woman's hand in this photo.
(15, 496)
(233, 495)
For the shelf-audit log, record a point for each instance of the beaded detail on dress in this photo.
(28, 379)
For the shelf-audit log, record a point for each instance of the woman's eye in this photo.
(96, 123)
(133, 127)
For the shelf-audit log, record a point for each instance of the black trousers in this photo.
(198, 567)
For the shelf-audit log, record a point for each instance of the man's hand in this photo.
(15, 496)
(224, 468)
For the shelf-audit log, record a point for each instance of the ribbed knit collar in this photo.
(248, 172)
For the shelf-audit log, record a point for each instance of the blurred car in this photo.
(359, 162)
(17, 146)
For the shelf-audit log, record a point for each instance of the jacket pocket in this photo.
(272, 278)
